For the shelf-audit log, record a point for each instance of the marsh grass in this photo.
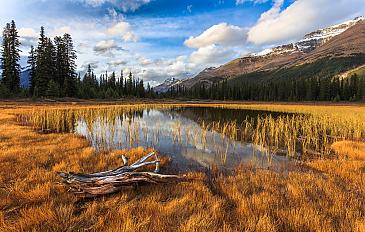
(308, 133)
(316, 195)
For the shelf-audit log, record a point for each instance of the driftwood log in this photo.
(102, 183)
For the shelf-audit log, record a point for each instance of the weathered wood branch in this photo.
(101, 183)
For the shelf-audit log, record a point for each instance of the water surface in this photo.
(192, 136)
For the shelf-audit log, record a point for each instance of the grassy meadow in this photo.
(321, 190)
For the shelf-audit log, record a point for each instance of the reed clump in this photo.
(315, 195)
(305, 133)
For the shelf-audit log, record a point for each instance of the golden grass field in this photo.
(326, 194)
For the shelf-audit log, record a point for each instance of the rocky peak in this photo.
(311, 40)
(166, 85)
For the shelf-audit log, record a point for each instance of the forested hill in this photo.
(342, 40)
(321, 80)
(291, 72)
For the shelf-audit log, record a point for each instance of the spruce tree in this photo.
(70, 87)
(41, 75)
(60, 61)
(10, 58)
(32, 64)
(5, 57)
(121, 84)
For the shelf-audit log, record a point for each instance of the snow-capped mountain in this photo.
(338, 40)
(167, 85)
(311, 40)
(25, 77)
(317, 38)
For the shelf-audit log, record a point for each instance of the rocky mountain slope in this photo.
(343, 39)
(25, 77)
(167, 85)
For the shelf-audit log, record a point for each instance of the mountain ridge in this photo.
(343, 39)
(167, 85)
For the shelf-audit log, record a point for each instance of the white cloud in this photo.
(93, 64)
(273, 12)
(220, 34)
(61, 31)
(211, 55)
(301, 17)
(112, 65)
(124, 30)
(27, 33)
(105, 46)
(130, 37)
(143, 61)
(28, 37)
(124, 5)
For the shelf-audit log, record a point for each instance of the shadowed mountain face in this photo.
(24, 77)
(342, 40)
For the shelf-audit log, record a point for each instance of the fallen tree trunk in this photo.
(102, 183)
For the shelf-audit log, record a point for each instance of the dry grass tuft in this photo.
(349, 149)
(321, 195)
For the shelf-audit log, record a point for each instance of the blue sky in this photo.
(158, 39)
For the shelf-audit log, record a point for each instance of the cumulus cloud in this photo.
(211, 55)
(124, 30)
(301, 17)
(124, 5)
(112, 65)
(93, 64)
(106, 46)
(220, 34)
(143, 61)
(27, 33)
(28, 36)
(61, 31)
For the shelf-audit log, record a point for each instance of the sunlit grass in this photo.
(316, 195)
(309, 133)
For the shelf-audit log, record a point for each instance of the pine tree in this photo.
(5, 57)
(141, 90)
(41, 74)
(53, 89)
(50, 57)
(60, 61)
(32, 63)
(111, 81)
(121, 84)
(10, 58)
(70, 81)
(15, 57)
(130, 84)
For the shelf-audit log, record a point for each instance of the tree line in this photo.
(325, 88)
(111, 86)
(320, 80)
(52, 70)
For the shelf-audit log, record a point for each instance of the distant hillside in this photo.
(167, 85)
(328, 66)
(342, 40)
(25, 78)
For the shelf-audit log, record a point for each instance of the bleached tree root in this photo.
(102, 183)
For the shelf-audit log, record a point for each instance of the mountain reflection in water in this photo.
(182, 134)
